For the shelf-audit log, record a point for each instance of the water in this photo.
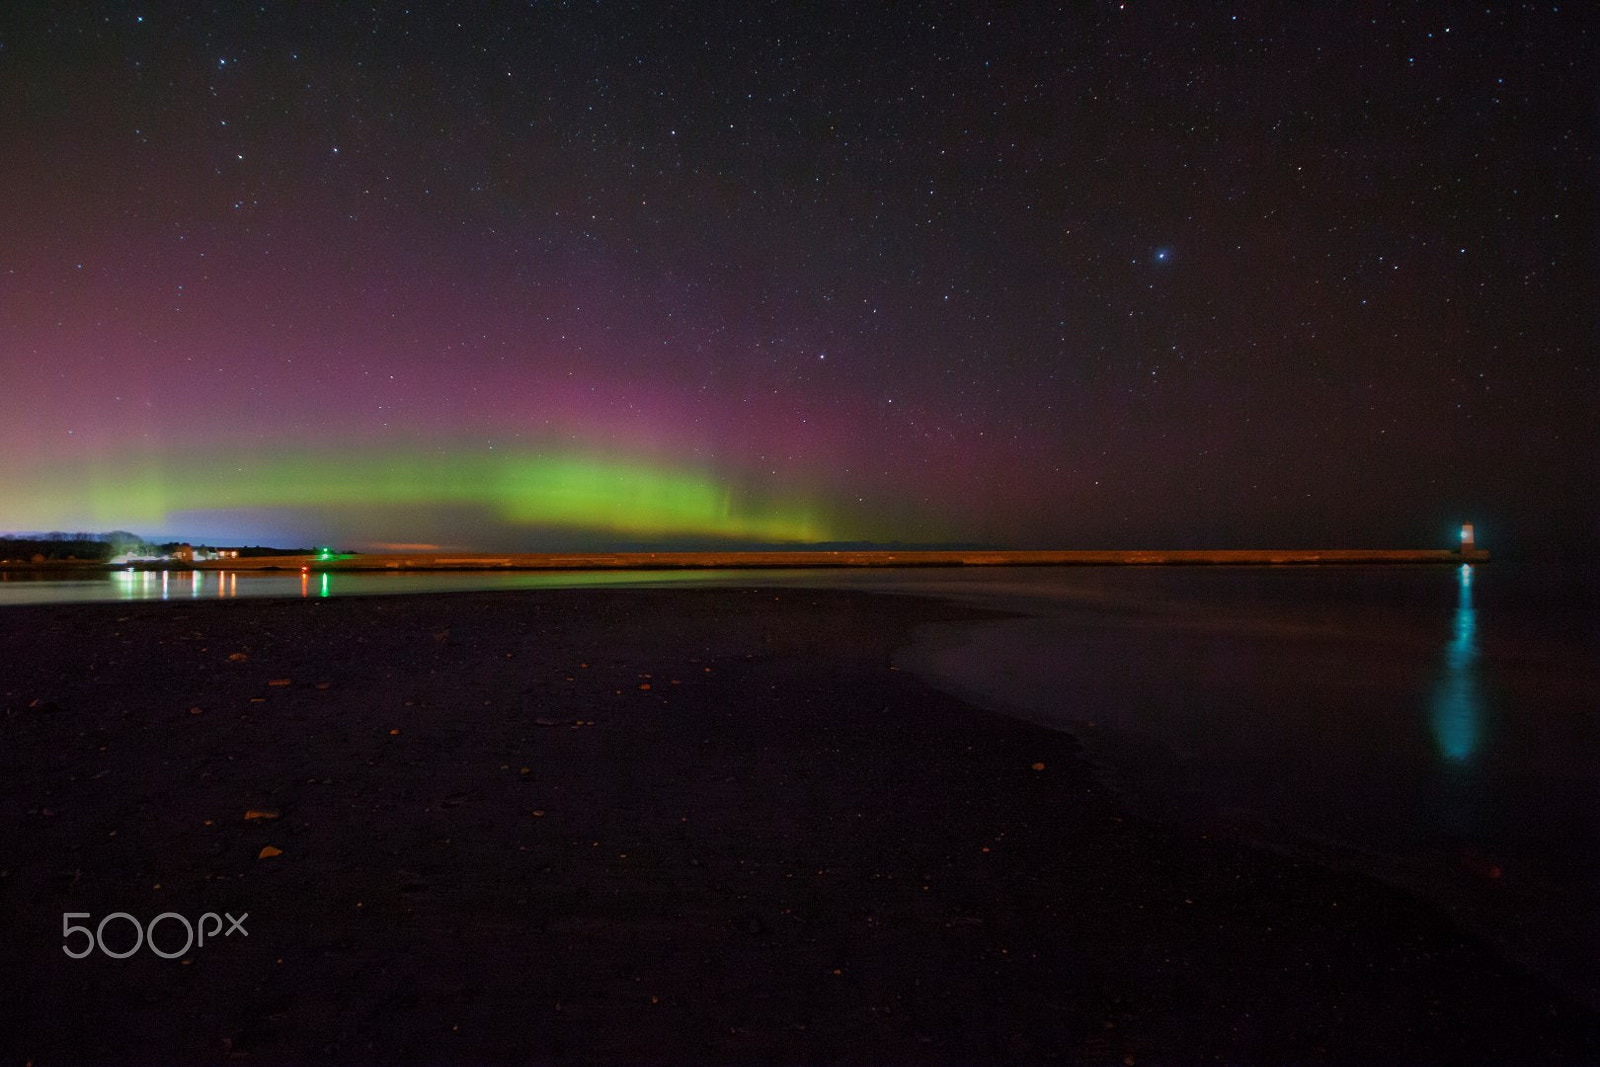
(121, 585)
(1438, 727)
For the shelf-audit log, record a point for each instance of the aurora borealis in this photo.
(618, 274)
(562, 490)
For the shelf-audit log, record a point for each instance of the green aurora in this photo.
(629, 498)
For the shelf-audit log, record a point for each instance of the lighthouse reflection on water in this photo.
(1458, 698)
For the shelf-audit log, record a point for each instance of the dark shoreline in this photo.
(769, 846)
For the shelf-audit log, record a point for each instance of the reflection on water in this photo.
(150, 585)
(136, 585)
(1458, 704)
(28, 588)
(323, 586)
(1361, 714)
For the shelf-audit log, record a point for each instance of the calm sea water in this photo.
(21, 587)
(1438, 727)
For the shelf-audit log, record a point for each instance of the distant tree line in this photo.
(56, 545)
(59, 545)
(100, 547)
(247, 551)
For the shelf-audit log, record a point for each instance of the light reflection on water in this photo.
(126, 585)
(1458, 699)
(134, 585)
(1437, 727)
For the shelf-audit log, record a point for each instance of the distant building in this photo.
(185, 552)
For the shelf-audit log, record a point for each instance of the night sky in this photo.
(563, 275)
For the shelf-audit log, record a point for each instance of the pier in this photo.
(768, 560)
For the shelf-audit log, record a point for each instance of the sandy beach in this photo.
(650, 826)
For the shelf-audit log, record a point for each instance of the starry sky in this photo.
(573, 275)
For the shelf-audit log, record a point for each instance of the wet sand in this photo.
(650, 825)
